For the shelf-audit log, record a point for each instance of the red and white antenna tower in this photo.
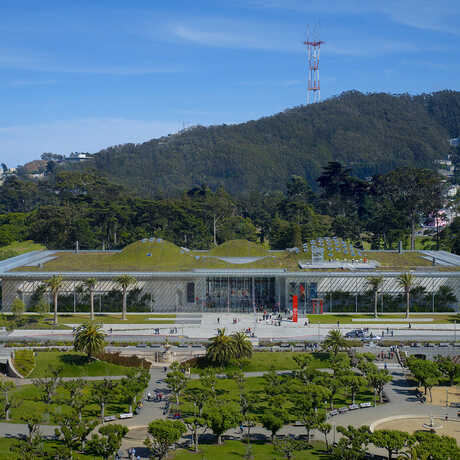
(313, 85)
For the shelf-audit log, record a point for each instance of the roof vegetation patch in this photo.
(239, 248)
(153, 251)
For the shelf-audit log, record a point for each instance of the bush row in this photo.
(129, 361)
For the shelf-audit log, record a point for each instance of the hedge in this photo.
(129, 361)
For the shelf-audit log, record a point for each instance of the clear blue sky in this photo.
(81, 75)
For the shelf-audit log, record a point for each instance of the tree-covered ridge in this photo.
(371, 133)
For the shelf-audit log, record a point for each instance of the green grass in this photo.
(24, 361)
(348, 319)
(239, 248)
(17, 248)
(406, 260)
(266, 360)
(66, 318)
(31, 403)
(227, 389)
(232, 450)
(167, 256)
(74, 364)
(28, 322)
(50, 446)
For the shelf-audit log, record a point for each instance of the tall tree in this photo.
(125, 281)
(90, 285)
(406, 281)
(418, 192)
(54, 285)
(375, 283)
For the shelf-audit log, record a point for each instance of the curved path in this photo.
(400, 394)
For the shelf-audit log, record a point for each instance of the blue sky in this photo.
(82, 75)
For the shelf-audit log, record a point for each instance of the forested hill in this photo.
(368, 132)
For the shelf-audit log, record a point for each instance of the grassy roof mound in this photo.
(239, 248)
(157, 252)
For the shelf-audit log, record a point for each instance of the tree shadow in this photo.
(74, 360)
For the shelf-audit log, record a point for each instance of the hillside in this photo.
(368, 132)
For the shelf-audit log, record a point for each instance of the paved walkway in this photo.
(401, 396)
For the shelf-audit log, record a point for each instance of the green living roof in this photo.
(154, 255)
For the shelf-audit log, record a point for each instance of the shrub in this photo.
(24, 361)
(129, 361)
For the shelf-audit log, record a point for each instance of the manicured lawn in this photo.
(167, 318)
(74, 364)
(231, 450)
(227, 389)
(29, 322)
(348, 319)
(24, 361)
(50, 446)
(267, 360)
(31, 403)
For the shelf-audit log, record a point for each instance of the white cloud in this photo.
(46, 64)
(21, 83)
(439, 15)
(22, 143)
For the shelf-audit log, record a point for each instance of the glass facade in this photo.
(305, 292)
(240, 294)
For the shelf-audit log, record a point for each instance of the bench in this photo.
(127, 415)
(110, 418)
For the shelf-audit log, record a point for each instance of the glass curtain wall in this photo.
(237, 294)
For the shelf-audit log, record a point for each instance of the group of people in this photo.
(157, 398)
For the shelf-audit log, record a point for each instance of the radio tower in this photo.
(313, 88)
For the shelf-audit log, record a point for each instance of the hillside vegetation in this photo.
(371, 133)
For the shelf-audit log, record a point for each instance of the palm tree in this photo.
(90, 284)
(243, 346)
(125, 281)
(53, 285)
(89, 339)
(221, 349)
(406, 281)
(335, 341)
(375, 282)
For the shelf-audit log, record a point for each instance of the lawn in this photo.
(17, 248)
(24, 361)
(50, 446)
(67, 318)
(74, 364)
(227, 389)
(394, 259)
(232, 450)
(28, 322)
(348, 319)
(31, 403)
(267, 360)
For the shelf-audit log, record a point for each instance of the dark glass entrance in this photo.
(241, 294)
